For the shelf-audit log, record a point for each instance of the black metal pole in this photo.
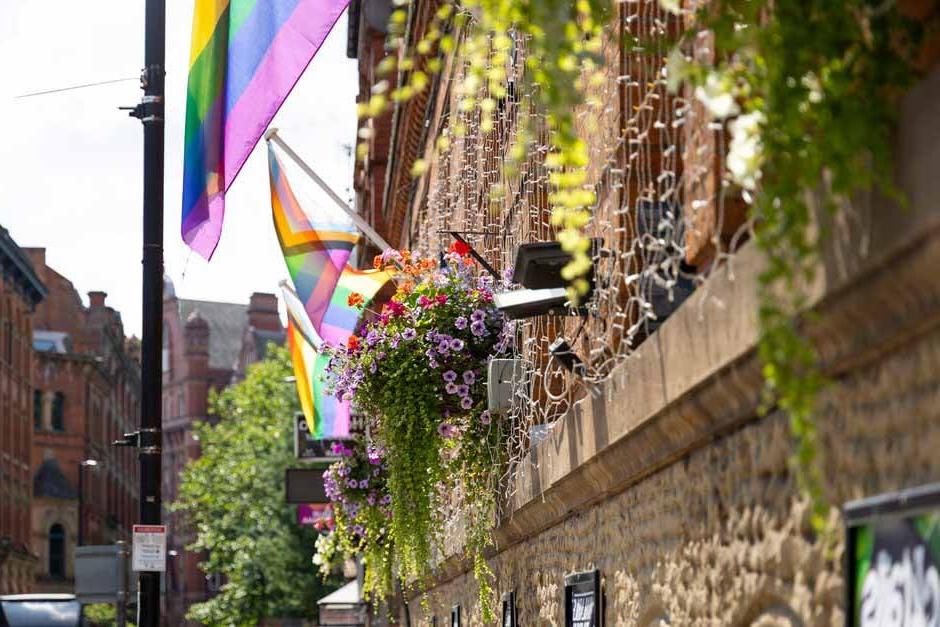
(81, 503)
(151, 112)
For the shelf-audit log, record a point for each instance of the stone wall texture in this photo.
(722, 536)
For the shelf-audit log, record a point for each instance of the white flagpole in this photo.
(272, 136)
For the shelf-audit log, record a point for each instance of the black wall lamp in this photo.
(538, 269)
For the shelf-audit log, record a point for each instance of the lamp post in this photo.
(91, 463)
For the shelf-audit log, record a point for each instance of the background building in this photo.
(86, 395)
(20, 291)
(206, 346)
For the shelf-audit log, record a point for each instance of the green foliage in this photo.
(418, 370)
(101, 615)
(233, 498)
(822, 81)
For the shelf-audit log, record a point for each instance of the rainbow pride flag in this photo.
(316, 254)
(327, 416)
(245, 58)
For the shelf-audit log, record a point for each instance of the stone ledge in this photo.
(699, 376)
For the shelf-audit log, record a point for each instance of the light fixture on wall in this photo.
(538, 269)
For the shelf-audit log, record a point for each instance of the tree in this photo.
(233, 498)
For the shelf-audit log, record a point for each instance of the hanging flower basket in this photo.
(419, 366)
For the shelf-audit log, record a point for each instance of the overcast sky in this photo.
(70, 163)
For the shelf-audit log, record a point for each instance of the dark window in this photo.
(58, 412)
(57, 551)
(37, 409)
(8, 342)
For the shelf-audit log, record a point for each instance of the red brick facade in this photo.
(20, 291)
(86, 390)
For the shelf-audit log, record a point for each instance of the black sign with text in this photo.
(309, 448)
(583, 599)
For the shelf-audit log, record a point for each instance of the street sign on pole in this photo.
(304, 486)
(149, 552)
(100, 573)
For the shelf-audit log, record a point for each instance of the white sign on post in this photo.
(149, 552)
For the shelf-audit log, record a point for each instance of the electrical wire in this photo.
(72, 87)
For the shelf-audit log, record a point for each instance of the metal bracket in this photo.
(473, 253)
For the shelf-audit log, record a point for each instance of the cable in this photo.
(55, 91)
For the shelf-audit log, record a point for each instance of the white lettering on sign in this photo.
(901, 594)
(149, 550)
(582, 609)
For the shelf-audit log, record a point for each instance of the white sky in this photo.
(70, 163)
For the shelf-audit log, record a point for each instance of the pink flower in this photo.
(424, 301)
(441, 299)
(395, 308)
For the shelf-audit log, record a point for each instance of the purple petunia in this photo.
(447, 430)
(463, 390)
(456, 344)
(478, 315)
(450, 376)
(461, 323)
(352, 483)
(478, 328)
(409, 334)
(363, 484)
(466, 402)
(469, 377)
(486, 418)
(451, 388)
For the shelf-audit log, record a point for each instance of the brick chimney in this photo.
(196, 340)
(262, 312)
(96, 299)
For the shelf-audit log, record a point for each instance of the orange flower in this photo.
(356, 300)
(353, 342)
(407, 287)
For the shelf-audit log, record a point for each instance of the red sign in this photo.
(309, 514)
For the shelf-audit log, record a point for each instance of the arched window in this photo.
(37, 409)
(58, 412)
(57, 551)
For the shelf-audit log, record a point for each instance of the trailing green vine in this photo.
(418, 368)
(812, 90)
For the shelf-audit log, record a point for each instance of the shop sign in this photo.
(309, 448)
(309, 513)
(583, 599)
(893, 559)
(304, 485)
